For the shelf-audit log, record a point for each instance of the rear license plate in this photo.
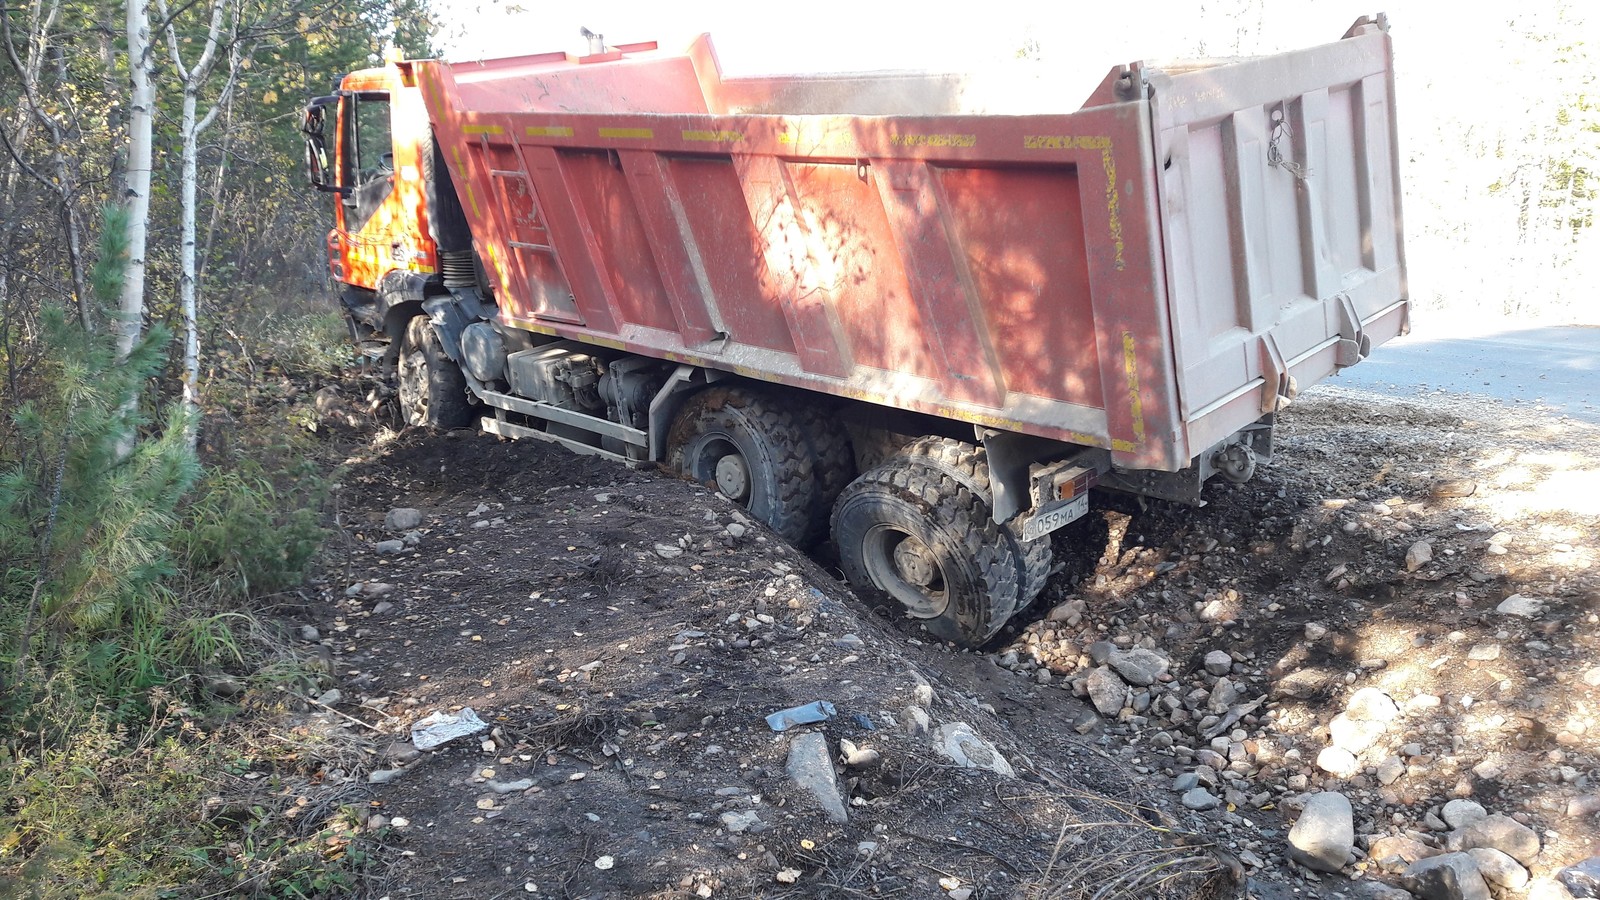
(1054, 516)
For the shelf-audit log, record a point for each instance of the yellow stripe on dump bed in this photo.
(549, 131)
(482, 129)
(631, 133)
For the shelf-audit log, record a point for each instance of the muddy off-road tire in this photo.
(923, 538)
(750, 448)
(969, 464)
(833, 463)
(433, 392)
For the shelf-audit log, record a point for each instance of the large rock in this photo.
(1583, 879)
(1399, 847)
(1418, 555)
(1107, 692)
(1354, 735)
(1371, 705)
(1498, 868)
(810, 766)
(1139, 666)
(1338, 762)
(1451, 876)
(402, 518)
(960, 744)
(1518, 605)
(1461, 812)
(1501, 833)
(1323, 836)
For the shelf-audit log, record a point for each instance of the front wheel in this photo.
(928, 542)
(753, 451)
(433, 392)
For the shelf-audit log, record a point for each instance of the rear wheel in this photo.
(928, 542)
(833, 463)
(969, 464)
(750, 449)
(433, 392)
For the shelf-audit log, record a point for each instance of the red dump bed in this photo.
(1144, 274)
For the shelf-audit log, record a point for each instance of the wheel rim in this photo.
(733, 477)
(902, 566)
(719, 461)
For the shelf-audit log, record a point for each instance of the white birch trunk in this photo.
(141, 117)
(189, 130)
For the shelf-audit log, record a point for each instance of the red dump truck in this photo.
(858, 307)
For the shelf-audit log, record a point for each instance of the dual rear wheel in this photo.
(916, 529)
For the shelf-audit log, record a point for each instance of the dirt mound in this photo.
(624, 636)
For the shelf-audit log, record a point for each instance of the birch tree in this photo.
(141, 120)
(193, 79)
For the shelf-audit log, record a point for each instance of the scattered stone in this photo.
(332, 697)
(1592, 677)
(958, 742)
(740, 822)
(224, 686)
(735, 530)
(374, 589)
(917, 722)
(400, 752)
(402, 518)
(1449, 876)
(858, 757)
(1199, 799)
(1484, 652)
(390, 547)
(922, 695)
(1583, 807)
(1106, 691)
(1316, 631)
(604, 862)
(1498, 833)
(1218, 662)
(1139, 666)
(810, 766)
(1324, 835)
(1400, 847)
(787, 876)
(849, 642)
(384, 776)
(1518, 605)
(1338, 762)
(1390, 770)
(310, 633)
(381, 607)
(1070, 612)
(1377, 890)
(1188, 781)
(1371, 705)
(1582, 880)
(668, 551)
(1446, 488)
(1418, 555)
(510, 787)
(1498, 868)
(1460, 812)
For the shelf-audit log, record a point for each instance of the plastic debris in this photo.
(439, 728)
(785, 719)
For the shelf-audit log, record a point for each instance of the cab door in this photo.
(366, 212)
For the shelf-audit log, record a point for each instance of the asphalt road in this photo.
(1556, 369)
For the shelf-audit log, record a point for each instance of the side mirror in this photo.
(313, 127)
